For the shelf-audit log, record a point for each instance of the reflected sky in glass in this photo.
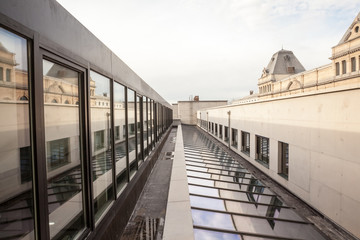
(201, 234)
(204, 191)
(201, 181)
(212, 219)
(210, 203)
(198, 174)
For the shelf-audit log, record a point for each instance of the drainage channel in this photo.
(147, 220)
(228, 202)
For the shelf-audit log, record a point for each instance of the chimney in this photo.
(251, 92)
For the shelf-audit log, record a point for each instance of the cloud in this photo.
(213, 48)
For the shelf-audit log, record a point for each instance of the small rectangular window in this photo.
(117, 132)
(291, 69)
(226, 134)
(337, 67)
(124, 131)
(234, 137)
(353, 64)
(284, 159)
(262, 150)
(245, 142)
(1, 74)
(220, 131)
(99, 140)
(212, 128)
(216, 129)
(343, 63)
(58, 153)
(25, 164)
(8, 75)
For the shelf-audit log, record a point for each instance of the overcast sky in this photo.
(213, 48)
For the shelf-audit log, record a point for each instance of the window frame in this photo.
(245, 142)
(262, 144)
(283, 159)
(343, 64)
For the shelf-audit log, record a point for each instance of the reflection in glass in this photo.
(153, 116)
(199, 181)
(139, 130)
(101, 143)
(212, 192)
(212, 219)
(16, 199)
(63, 151)
(131, 132)
(145, 126)
(210, 203)
(279, 228)
(120, 136)
(198, 174)
(201, 234)
(150, 124)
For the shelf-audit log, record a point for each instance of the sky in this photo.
(215, 49)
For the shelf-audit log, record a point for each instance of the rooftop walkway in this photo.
(201, 190)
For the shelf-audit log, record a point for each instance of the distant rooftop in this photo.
(283, 62)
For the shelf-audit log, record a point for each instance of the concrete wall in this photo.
(187, 109)
(175, 111)
(323, 133)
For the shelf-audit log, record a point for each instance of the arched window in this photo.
(24, 98)
(54, 101)
(67, 102)
(77, 103)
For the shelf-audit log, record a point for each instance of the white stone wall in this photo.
(323, 133)
(187, 109)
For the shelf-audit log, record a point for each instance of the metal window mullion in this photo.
(41, 209)
(136, 133)
(86, 154)
(89, 163)
(127, 135)
(112, 136)
(141, 121)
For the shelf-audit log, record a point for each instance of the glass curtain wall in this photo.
(63, 150)
(139, 130)
(131, 132)
(101, 143)
(120, 136)
(16, 199)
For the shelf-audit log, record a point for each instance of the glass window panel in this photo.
(145, 126)
(212, 219)
(101, 150)
(150, 123)
(204, 191)
(131, 127)
(16, 199)
(196, 168)
(153, 121)
(200, 164)
(63, 151)
(276, 228)
(201, 234)
(197, 174)
(139, 133)
(201, 181)
(210, 203)
(120, 136)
